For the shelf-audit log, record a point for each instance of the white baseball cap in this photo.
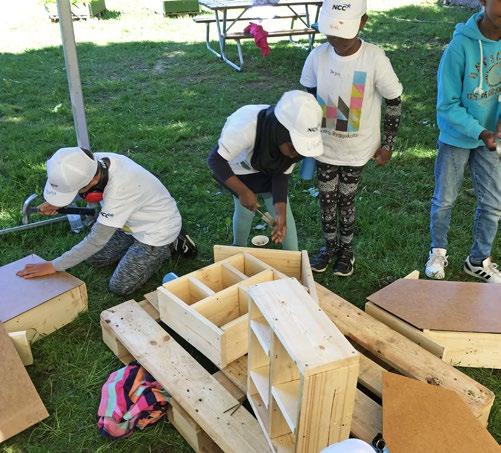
(341, 18)
(68, 171)
(301, 115)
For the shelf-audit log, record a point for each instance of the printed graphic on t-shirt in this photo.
(345, 116)
(492, 77)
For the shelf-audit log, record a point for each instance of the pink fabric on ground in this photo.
(260, 37)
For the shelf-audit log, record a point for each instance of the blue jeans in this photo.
(242, 223)
(485, 169)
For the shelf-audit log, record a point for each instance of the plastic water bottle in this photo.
(308, 167)
(169, 277)
(75, 221)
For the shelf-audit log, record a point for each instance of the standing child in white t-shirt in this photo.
(350, 78)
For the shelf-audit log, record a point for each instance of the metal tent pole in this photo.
(73, 72)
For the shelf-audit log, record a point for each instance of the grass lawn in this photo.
(154, 93)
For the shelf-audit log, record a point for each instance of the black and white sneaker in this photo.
(344, 264)
(488, 271)
(321, 260)
(184, 245)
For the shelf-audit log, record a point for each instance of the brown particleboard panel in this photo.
(21, 406)
(19, 295)
(451, 306)
(419, 417)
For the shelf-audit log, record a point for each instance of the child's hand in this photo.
(279, 229)
(382, 156)
(489, 138)
(37, 270)
(248, 199)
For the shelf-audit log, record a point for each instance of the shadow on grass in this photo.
(164, 104)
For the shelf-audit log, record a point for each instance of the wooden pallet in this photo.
(383, 349)
(208, 307)
(206, 403)
(477, 343)
(302, 372)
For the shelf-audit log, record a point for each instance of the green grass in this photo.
(163, 103)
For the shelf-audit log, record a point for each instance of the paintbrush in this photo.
(266, 216)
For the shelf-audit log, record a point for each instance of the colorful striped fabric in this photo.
(130, 398)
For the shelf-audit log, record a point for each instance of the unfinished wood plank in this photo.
(371, 375)
(152, 298)
(234, 341)
(201, 395)
(219, 308)
(367, 419)
(414, 275)
(443, 305)
(231, 275)
(402, 354)
(253, 265)
(229, 386)
(198, 289)
(420, 417)
(307, 275)
(236, 372)
(479, 350)
(404, 328)
(191, 432)
(22, 343)
(286, 261)
(21, 406)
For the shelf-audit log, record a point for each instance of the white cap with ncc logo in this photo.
(341, 18)
(301, 115)
(68, 171)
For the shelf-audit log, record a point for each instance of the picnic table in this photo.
(297, 11)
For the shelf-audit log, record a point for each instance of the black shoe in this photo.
(321, 260)
(344, 264)
(184, 246)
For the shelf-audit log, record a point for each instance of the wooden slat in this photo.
(286, 261)
(307, 276)
(402, 354)
(371, 375)
(198, 289)
(200, 394)
(231, 275)
(404, 328)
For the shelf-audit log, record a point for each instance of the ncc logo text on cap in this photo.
(341, 18)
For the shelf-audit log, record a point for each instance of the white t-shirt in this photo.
(138, 203)
(350, 91)
(236, 143)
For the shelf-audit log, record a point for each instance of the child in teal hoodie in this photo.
(468, 114)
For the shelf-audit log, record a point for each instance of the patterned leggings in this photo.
(136, 261)
(338, 186)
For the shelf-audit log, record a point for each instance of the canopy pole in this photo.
(73, 72)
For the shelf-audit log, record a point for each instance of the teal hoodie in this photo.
(468, 99)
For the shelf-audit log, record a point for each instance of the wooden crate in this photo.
(40, 305)
(384, 349)
(302, 372)
(208, 307)
(471, 309)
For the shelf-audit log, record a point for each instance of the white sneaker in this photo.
(488, 272)
(436, 264)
